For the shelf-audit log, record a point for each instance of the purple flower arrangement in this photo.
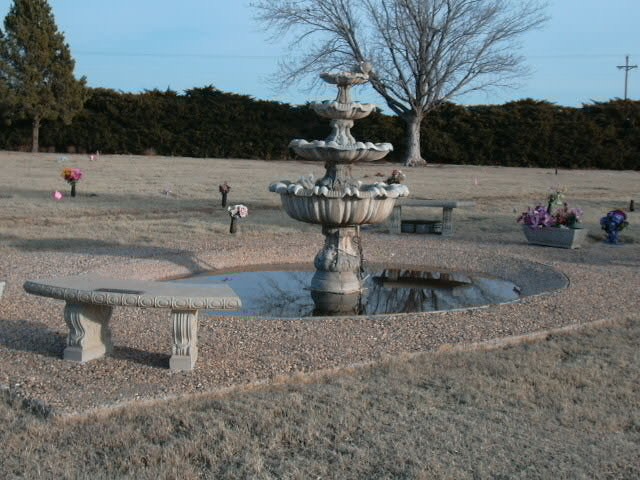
(541, 217)
(537, 217)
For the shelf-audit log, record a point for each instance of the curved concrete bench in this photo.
(395, 221)
(90, 301)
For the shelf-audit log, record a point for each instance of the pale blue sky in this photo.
(136, 45)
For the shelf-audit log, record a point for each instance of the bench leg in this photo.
(447, 222)
(395, 223)
(184, 351)
(89, 335)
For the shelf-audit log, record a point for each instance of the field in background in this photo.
(566, 407)
(161, 200)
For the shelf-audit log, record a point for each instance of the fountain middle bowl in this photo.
(351, 111)
(337, 211)
(340, 154)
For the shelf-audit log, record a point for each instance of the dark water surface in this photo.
(283, 293)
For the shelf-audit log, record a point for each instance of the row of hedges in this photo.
(537, 134)
(205, 122)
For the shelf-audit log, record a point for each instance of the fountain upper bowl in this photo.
(345, 78)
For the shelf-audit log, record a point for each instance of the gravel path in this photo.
(601, 283)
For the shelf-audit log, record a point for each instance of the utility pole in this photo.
(626, 67)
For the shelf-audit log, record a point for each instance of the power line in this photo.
(575, 55)
(169, 55)
(99, 53)
(626, 67)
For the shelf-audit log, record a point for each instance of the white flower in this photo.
(239, 211)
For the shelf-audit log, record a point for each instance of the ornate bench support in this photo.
(447, 221)
(185, 339)
(89, 334)
(395, 222)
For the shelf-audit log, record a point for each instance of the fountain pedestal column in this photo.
(339, 263)
(336, 287)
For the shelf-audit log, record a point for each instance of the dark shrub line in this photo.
(205, 122)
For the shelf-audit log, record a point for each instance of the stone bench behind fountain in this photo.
(447, 206)
(90, 301)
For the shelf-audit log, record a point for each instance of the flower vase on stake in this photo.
(613, 223)
(236, 212)
(72, 176)
(396, 177)
(224, 189)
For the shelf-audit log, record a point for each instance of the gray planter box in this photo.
(555, 236)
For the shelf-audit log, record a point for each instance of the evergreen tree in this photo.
(5, 93)
(37, 68)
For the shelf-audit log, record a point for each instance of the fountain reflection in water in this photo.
(285, 294)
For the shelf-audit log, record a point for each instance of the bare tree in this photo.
(421, 53)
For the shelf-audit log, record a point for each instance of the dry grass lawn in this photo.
(564, 407)
(567, 407)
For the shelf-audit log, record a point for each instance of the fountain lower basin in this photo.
(388, 289)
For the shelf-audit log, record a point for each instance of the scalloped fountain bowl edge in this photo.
(332, 151)
(337, 211)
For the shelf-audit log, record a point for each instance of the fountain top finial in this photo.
(345, 80)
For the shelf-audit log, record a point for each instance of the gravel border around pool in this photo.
(240, 351)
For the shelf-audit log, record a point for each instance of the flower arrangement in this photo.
(563, 216)
(236, 212)
(396, 177)
(567, 217)
(537, 217)
(613, 223)
(72, 176)
(224, 188)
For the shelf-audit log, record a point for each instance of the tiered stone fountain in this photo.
(337, 201)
